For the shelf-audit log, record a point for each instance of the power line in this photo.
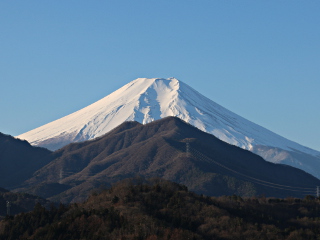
(210, 161)
(256, 179)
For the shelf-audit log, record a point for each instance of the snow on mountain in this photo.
(145, 100)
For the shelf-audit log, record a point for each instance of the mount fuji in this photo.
(145, 100)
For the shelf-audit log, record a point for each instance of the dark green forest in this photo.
(159, 209)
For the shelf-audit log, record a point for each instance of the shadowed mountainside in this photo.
(159, 149)
(145, 100)
(19, 160)
(19, 202)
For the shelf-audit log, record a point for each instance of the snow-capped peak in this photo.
(148, 99)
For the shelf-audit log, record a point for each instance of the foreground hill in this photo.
(145, 100)
(159, 149)
(158, 209)
(19, 160)
(19, 202)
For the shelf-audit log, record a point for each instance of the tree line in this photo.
(159, 209)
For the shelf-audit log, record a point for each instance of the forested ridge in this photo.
(160, 209)
(19, 202)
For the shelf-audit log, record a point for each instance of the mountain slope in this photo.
(19, 202)
(19, 160)
(145, 100)
(158, 149)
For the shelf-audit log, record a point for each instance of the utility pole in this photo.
(8, 208)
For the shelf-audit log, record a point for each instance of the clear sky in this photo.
(259, 59)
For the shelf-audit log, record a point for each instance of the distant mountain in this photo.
(145, 100)
(19, 160)
(168, 148)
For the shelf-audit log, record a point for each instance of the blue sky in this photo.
(259, 59)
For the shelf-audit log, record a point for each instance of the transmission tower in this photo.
(188, 149)
(61, 175)
(8, 208)
(188, 141)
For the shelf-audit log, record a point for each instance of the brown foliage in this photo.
(159, 209)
